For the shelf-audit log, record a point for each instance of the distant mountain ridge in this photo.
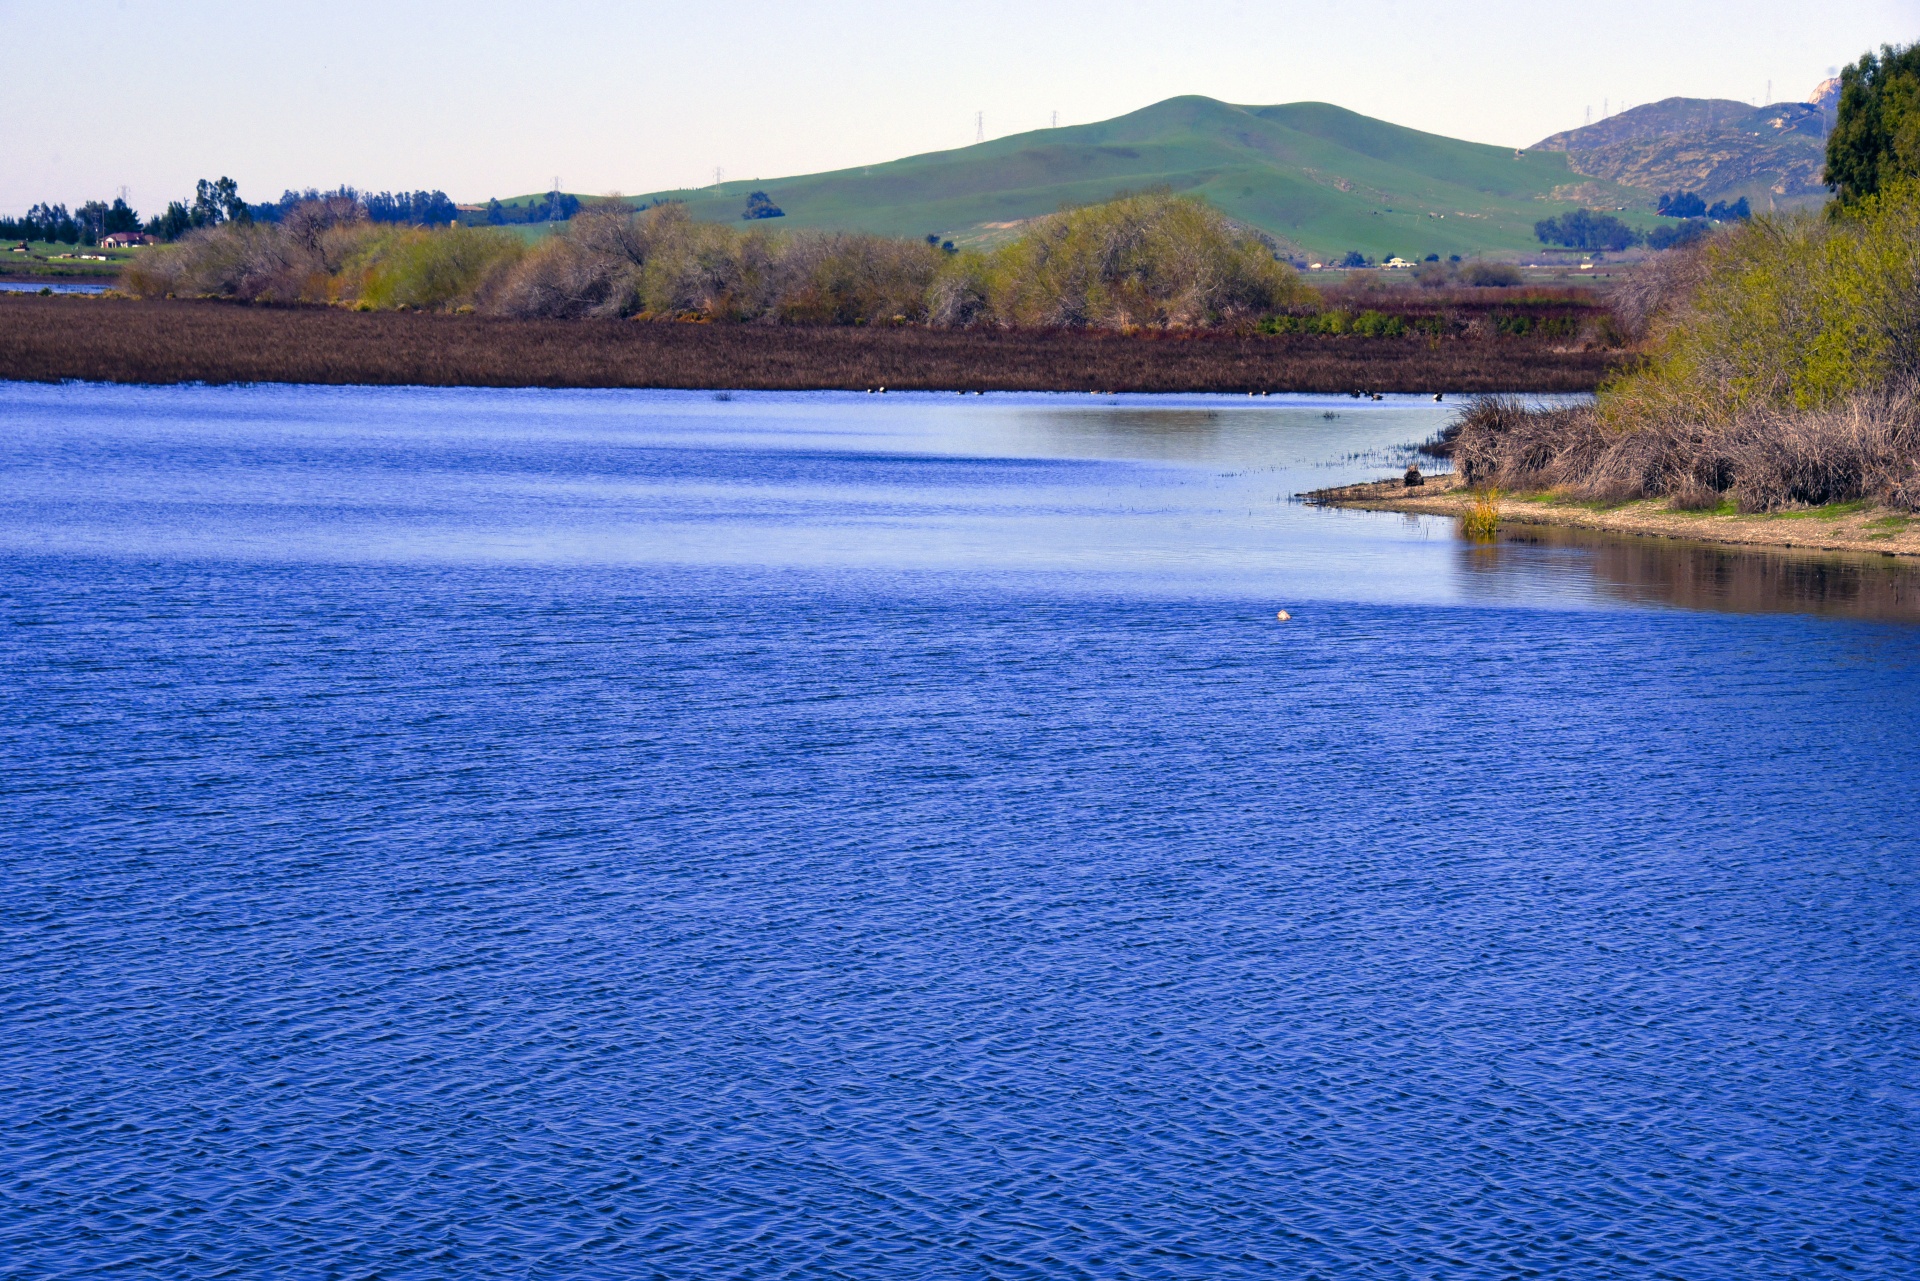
(1774, 156)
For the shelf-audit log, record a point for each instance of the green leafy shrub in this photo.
(1147, 260)
(1372, 324)
(1794, 311)
(432, 269)
(1783, 368)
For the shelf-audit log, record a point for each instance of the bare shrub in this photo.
(1657, 287)
(556, 280)
(705, 269)
(237, 261)
(307, 223)
(962, 294)
(839, 278)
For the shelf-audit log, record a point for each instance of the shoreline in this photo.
(111, 339)
(1857, 528)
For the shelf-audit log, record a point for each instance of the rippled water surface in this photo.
(50, 287)
(524, 834)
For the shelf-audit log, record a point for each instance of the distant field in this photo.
(531, 231)
(52, 258)
(54, 339)
(1320, 179)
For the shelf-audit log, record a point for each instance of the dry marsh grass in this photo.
(172, 341)
(1865, 448)
(1482, 521)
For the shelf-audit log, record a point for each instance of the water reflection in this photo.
(1154, 497)
(1173, 435)
(49, 287)
(1662, 571)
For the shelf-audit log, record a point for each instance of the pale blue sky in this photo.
(485, 98)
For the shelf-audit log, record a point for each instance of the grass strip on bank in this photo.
(1856, 527)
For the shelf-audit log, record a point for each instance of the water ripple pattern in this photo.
(455, 835)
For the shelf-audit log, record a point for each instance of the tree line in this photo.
(1691, 204)
(555, 206)
(1596, 232)
(86, 225)
(215, 202)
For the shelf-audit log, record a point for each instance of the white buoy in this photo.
(1283, 616)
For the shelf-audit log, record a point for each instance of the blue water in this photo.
(526, 834)
(50, 287)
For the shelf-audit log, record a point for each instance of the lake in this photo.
(51, 287)
(464, 833)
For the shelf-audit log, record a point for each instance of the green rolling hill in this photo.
(1318, 178)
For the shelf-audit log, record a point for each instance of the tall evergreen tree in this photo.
(1876, 138)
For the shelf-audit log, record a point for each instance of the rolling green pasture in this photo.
(1319, 178)
(45, 258)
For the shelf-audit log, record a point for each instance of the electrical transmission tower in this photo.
(979, 126)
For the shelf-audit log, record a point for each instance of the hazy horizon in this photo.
(492, 99)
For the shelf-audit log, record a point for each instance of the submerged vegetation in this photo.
(1154, 261)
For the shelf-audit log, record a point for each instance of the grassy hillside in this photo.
(1318, 178)
(1722, 149)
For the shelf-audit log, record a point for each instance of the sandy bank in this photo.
(1843, 527)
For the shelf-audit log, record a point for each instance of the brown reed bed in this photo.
(1866, 448)
(45, 339)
